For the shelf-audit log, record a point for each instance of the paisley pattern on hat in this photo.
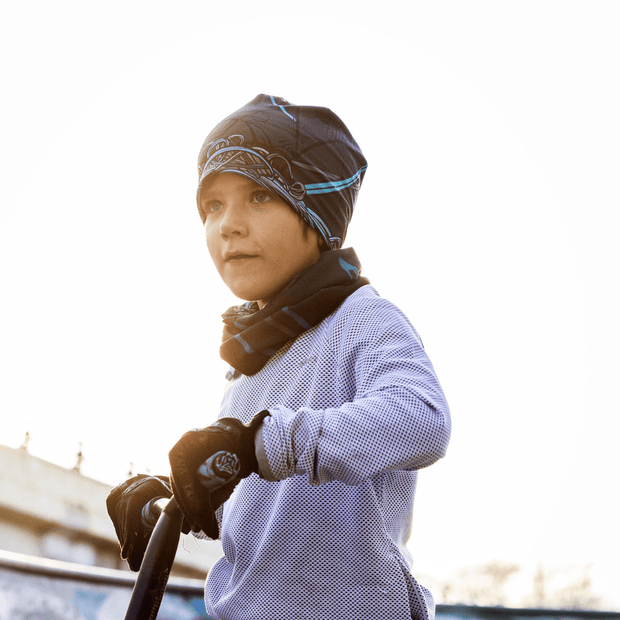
(304, 154)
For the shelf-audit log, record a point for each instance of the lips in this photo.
(236, 255)
(239, 257)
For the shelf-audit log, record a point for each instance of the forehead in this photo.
(227, 182)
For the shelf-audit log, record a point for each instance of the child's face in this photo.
(255, 239)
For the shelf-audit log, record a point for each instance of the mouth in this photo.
(237, 258)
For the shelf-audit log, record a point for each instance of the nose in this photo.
(233, 222)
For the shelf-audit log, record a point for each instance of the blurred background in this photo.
(491, 130)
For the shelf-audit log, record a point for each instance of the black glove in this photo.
(125, 503)
(228, 446)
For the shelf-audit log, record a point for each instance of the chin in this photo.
(250, 291)
(253, 296)
(245, 294)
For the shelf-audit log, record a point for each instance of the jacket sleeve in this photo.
(393, 414)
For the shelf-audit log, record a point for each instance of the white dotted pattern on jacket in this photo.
(356, 410)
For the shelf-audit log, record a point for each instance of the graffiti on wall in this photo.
(26, 596)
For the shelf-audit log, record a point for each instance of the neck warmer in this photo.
(252, 335)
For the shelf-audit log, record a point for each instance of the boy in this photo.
(332, 404)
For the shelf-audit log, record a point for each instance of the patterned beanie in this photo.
(305, 155)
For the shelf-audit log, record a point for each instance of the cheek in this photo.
(212, 242)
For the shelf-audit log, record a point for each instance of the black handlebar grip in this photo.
(167, 519)
(151, 583)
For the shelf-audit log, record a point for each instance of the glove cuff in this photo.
(257, 420)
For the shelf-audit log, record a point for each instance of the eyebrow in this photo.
(250, 182)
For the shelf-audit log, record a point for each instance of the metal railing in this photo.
(90, 574)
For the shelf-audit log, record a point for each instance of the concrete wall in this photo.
(52, 512)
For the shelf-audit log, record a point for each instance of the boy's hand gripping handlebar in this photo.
(226, 435)
(167, 518)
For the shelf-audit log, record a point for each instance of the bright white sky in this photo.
(489, 214)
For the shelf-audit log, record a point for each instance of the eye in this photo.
(212, 206)
(261, 197)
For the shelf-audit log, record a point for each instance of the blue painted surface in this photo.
(31, 593)
(88, 603)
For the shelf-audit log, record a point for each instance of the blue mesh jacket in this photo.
(356, 411)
